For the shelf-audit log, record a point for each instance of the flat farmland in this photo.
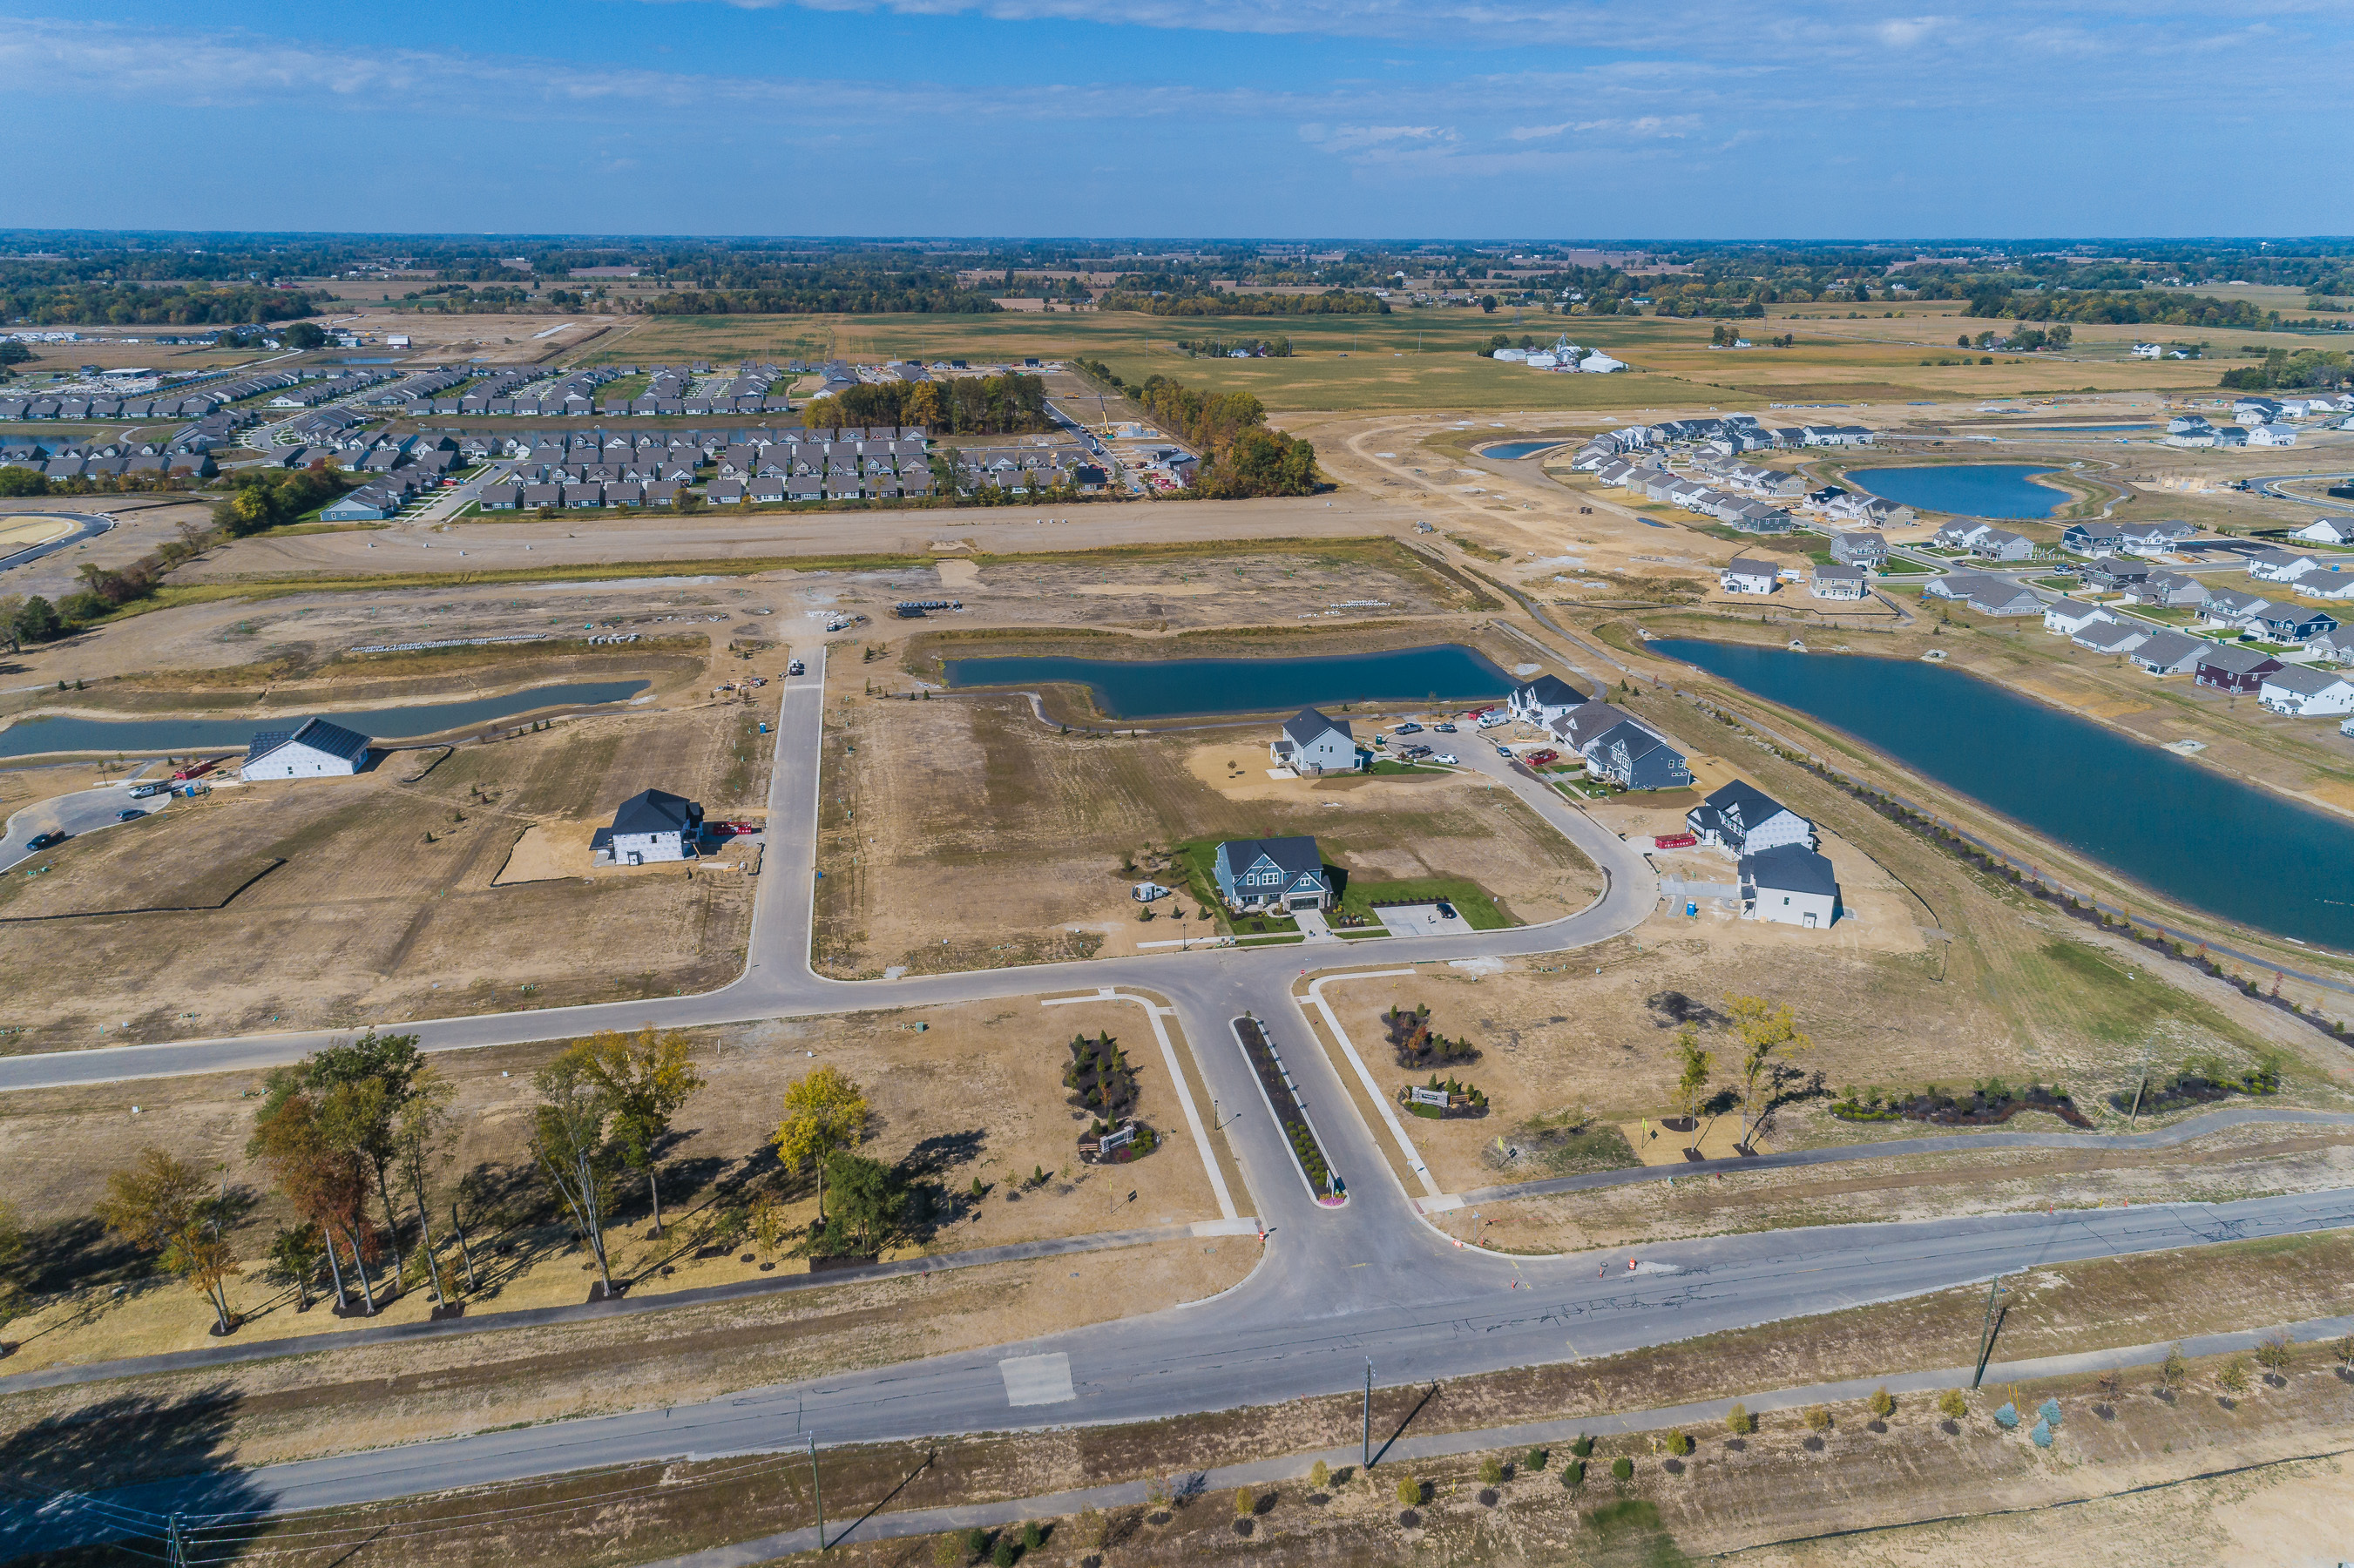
(1041, 834)
(333, 902)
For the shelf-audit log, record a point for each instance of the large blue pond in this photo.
(165, 736)
(1162, 688)
(1522, 448)
(2187, 832)
(1970, 490)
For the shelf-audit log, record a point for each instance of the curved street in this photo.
(1335, 1286)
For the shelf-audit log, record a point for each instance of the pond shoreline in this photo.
(2208, 811)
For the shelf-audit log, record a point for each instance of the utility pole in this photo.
(2142, 1088)
(816, 1495)
(1986, 1333)
(1368, 1413)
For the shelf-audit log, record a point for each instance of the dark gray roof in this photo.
(1552, 692)
(317, 734)
(653, 811)
(1295, 856)
(2170, 648)
(1790, 868)
(2237, 661)
(1742, 801)
(1308, 724)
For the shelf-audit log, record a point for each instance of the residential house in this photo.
(359, 506)
(1866, 550)
(1746, 574)
(2120, 574)
(1960, 533)
(1634, 756)
(2301, 692)
(501, 497)
(2178, 590)
(1988, 596)
(2252, 411)
(1744, 818)
(2230, 607)
(2113, 637)
(2170, 652)
(2092, 538)
(1311, 743)
(2002, 545)
(537, 497)
(2275, 565)
(651, 826)
(2328, 530)
(2151, 538)
(1837, 581)
(1544, 699)
(316, 750)
(2290, 624)
(1789, 884)
(2229, 669)
(2067, 617)
(1271, 874)
(725, 492)
(2272, 436)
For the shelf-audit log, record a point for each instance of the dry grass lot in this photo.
(959, 1095)
(373, 897)
(1032, 829)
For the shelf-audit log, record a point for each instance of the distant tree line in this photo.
(130, 304)
(2152, 307)
(738, 290)
(1214, 302)
(1012, 404)
(1227, 347)
(2284, 371)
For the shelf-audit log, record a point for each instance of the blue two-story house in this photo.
(1271, 873)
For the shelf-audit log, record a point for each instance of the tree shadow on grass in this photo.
(98, 1484)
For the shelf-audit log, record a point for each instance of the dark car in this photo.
(129, 814)
(797, 667)
(1505, 752)
(43, 840)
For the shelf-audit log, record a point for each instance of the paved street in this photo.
(1371, 1279)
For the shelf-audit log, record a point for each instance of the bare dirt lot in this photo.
(1041, 833)
(328, 903)
(958, 1096)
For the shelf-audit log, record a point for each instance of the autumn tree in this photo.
(825, 1113)
(646, 1076)
(1770, 1037)
(1692, 1082)
(362, 1087)
(567, 1139)
(307, 1150)
(295, 1258)
(160, 1204)
(422, 1141)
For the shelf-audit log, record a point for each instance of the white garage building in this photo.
(1791, 884)
(652, 825)
(317, 751)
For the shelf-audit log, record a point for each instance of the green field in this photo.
(1426, 358)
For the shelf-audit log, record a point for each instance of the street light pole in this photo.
(1368, 1413)
(816, 1495)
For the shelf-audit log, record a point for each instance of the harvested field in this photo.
(960, 1096)
(1044, 834)
(383, 905)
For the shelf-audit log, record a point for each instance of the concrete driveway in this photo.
(84, 811)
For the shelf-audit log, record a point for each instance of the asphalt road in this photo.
(84, 811)
(1369, 1279)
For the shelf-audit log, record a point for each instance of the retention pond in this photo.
(1166, 688)
(2185, 832)
(1971, 489)
(165, 737)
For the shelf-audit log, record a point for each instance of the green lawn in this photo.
(1387, 766)
(1470, 899)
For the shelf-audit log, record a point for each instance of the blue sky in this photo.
(1262, 118)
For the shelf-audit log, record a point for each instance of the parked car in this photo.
(143, 791)
(797, 667)
(43, 840)
(129, 814)
(1449, 758)
(1407, 728)
(1505, 752)
(1447, 728)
